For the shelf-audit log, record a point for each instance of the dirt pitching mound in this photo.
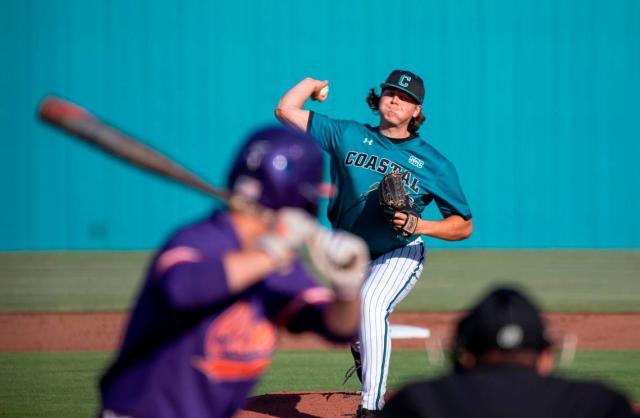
(301, 405)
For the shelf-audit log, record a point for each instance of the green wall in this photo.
(536, 102)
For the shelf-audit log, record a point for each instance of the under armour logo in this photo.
(367, 141)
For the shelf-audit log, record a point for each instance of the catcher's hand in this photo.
(343, 258)
(395, 204)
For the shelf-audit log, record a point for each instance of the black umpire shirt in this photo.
(506, 392)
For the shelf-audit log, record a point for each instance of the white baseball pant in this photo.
(390, 279)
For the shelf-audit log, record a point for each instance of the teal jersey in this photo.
(360, 157)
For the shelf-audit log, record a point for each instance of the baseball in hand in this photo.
(322, 94)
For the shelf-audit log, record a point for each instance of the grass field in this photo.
(64, 384)
(560, 280)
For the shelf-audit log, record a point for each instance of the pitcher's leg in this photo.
(391, 278)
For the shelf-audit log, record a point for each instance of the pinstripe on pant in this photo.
(390, 279)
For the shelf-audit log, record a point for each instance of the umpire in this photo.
(502, 362)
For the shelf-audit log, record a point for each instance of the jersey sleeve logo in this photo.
(416, 161)
(238, 345)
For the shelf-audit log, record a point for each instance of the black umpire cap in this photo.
(505, 319)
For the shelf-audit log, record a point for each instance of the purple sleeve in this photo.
(188, 271)
(192, 284)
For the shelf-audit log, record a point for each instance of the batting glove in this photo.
(292, 228)
(343, 258)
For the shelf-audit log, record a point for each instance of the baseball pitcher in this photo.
(385, 176)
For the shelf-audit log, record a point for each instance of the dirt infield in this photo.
(101, 331)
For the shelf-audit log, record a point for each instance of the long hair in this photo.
(373, 100)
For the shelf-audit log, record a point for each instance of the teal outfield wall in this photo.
(537, 102)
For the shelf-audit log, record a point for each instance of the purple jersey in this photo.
(192, 349)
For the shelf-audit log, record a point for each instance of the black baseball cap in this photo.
(406, 81)
(505, 319)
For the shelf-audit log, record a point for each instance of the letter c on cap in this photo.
(404, 80)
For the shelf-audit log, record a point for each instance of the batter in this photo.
(360, 156)
(204, 328)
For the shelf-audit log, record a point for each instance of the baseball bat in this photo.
(77, 121)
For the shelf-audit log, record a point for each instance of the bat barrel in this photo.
(75, 120)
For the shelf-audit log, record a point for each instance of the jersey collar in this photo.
(376, 129)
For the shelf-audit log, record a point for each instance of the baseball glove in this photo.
(393, 198)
